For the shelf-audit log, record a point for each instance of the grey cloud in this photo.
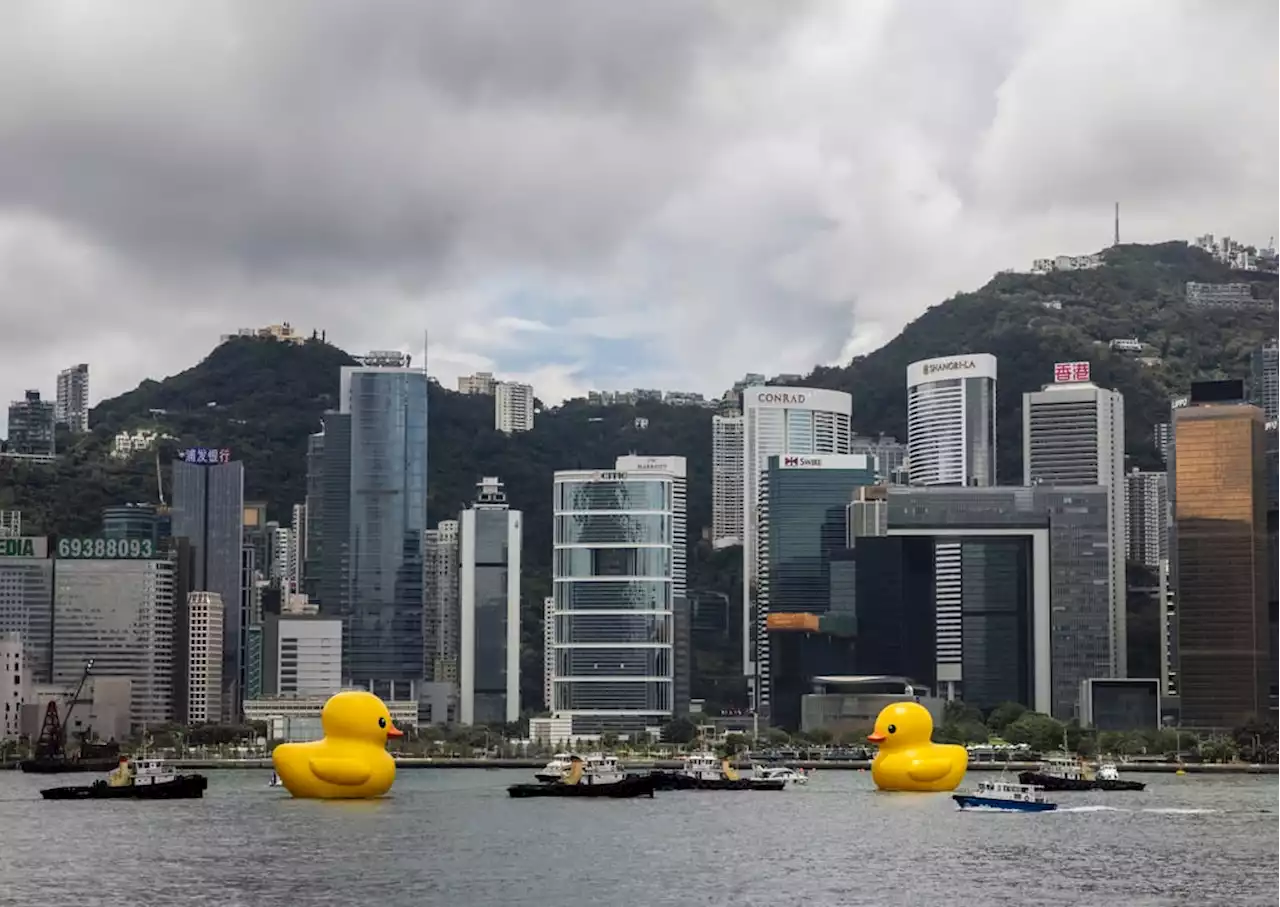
(766, 184)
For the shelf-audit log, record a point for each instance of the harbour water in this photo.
(454, 837)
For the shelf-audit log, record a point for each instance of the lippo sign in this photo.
(1070, 372)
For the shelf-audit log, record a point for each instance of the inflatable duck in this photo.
(351, 762)
(908, 758)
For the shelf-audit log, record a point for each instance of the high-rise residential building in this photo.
(803, 503)
(298, 549)
(1073, 435)
(311, 550)
(618, 580)
(1147, 518)
(119, 612)
(131, 521)
(778, 421)
(204, 635)
(15, 685)
(441, 619)
(209, 510)
(548, 648)
(72, 408)
(374, 500)
(1264, 388)
(890, 456)
(1220, 506)
(10, 524)
(31, 426)
(482, 383)
(951, 420)
(489, 543)
(727, 505)
(512, 407)
(26, 600)
(301, 655)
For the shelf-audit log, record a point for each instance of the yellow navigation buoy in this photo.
(351, 762)
(908, 759)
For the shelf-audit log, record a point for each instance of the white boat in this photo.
(1007, 796)
(780, 773)
(275, 781)
(703, 766)
(599, 768)
(554, 770)
(1107, 771)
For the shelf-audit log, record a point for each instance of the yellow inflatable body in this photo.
(351, 762)
(908, 757)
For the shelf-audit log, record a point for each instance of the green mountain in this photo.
(262, 398)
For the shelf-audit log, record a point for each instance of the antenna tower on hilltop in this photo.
(1116, 242)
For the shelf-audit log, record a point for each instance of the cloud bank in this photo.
(578, 194)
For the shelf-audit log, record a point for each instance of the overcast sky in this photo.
(593, 194)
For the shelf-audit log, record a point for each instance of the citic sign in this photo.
(769, 397)
(951, 365)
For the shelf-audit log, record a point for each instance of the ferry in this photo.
(1007, 796)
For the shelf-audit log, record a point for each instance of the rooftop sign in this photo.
(811, 398)
(106, 549)
(24, 546)
(825, 461)
(945, 368)
(1070, 372)
(209, 455)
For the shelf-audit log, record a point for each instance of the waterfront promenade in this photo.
(408, 762)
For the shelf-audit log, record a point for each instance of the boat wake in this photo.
(1167, 810)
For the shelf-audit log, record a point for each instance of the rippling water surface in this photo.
(454, 837)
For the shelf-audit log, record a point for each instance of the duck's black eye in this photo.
(382, 722)
(893, 729)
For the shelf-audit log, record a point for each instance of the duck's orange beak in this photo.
(876, 737)
(394, 731)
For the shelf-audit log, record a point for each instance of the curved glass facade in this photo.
(616, 576)
(951, 424)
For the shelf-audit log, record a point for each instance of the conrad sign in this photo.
(781, 398)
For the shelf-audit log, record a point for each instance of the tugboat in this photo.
(703, 771)
(1007, 796)
(601, 778)
(147, 779)
(1065, 774)
(51, 757)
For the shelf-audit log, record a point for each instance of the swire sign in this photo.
(950, 365)
(801, 462)
(771, 397)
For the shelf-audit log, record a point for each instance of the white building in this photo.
(479, 383)
(489, 540)
(618, 569)
(778, 421)
(548, 648)
(512, 407)
(1073, 434)
(951, 420)
(119, 613)
(204, 658)
(15, 685)
(72, 406)
(1146, 497)
(301, 656)
(726, 480)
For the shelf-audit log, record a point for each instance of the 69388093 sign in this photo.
(106, 549)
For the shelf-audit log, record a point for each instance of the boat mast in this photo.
(75, 697)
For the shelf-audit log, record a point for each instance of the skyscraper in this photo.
(951, 420)
(1147, 518)
(512, 407)
(779, 421)
(203, 660)
(1220, 517)
(208, 509)
(26, 600)
(726, 481)
(489, 541)
(441, 620)
(1264, 390)
(375, 514)
(1073, 435)
(72, 408)
(619, 578)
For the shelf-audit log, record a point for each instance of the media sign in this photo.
(24, 546)
(1070, 372)
(106, 549)
(210, 455)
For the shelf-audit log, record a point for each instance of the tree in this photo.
(820, 736)
(1037, 730)
(735, 743)
(679, 731)
(1003, 715)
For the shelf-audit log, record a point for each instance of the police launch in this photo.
(952, 365)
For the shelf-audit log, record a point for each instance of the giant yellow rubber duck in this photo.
(351, 762)
(908, 759)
